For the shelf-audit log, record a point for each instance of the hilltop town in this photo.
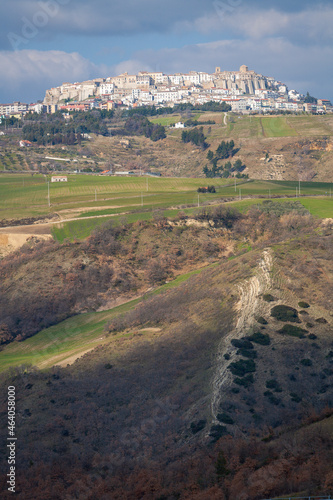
(245, 91)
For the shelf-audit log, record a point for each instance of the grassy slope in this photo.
(73, 336)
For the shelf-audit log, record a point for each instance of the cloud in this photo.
(27, 74)
(46, 19)
(306, 26)
(49, 18)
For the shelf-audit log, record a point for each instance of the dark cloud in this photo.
(44, 19)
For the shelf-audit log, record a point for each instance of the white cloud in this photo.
(27, 74)
(306, 25)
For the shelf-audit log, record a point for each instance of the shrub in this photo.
(303, 305)
(285, 313)
(246, 353)
(271, 398)
(260, 338)
(309, 325)
(225, 418)
(306, 362)
(321, 320)
(268, 297)
(273, 384)
(295, 398)
(241, 367)
(198, 426)
(312, 336)
(226, 356)
(243, 343)
(244, 382)
(293, 331)
(217, 431)
(262, 320)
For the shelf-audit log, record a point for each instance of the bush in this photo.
(271, 398)
(285, 313)
(295, 398)
(198, 426)
(303, 305)
(273, 384)
(225, 418)
(243, 343)
(306, 362)
(241, 367)
(260, 338)
(268, 297)
(262, 321)
(247, 353)
(217, 431)
(244, 382)
(293, 331)
(321, 320)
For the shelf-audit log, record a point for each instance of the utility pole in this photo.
(240, 194)
(141, 199)
(198, 200)
(296, 191)
(299, 187)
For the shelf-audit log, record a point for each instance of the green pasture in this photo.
(319, 207)
(74, 336)
(26, 195)
(96, 196)
(252, 127)
(168, 120)
(277, 126)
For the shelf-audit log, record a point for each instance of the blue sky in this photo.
(46, 42)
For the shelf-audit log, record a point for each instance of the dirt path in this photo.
(248, 308)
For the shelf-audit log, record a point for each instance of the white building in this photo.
(59, 178)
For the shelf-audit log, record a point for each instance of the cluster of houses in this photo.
(244, 90)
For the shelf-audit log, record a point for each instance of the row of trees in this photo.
(225, 150)
(55, 129)
(140, 125)
(226, 170)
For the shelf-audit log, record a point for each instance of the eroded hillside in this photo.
(197, 389)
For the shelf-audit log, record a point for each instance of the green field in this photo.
(253, 127)
(96, 197)
(26, 195)
(319, 207)
(168, 120)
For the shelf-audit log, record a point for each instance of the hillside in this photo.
(192, 392)
(281, 147)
